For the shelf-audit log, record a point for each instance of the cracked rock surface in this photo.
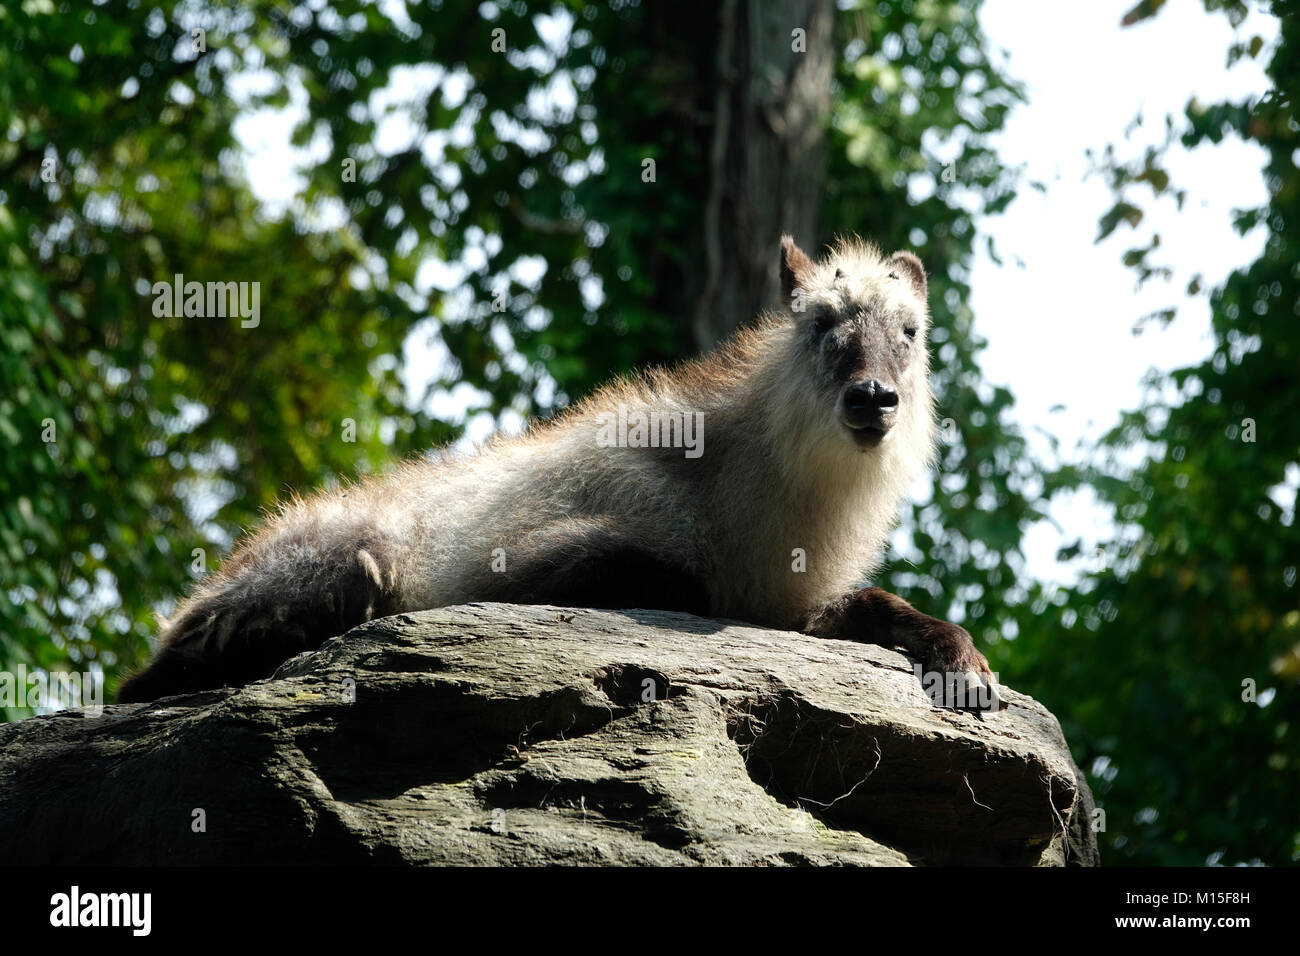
(496, 734)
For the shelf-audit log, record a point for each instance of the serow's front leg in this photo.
(955, 674)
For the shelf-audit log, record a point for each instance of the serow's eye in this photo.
(823, 319)
(910, 331)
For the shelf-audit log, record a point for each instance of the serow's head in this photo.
(861, 322)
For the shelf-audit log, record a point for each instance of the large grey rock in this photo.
(494, 734)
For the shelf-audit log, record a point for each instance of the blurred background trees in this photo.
(1174, 663)
(503, 204)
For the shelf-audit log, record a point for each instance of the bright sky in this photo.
(1059, 328)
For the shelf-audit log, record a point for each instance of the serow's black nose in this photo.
(869, 405)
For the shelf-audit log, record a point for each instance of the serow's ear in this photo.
(909, 267)
(796, 268)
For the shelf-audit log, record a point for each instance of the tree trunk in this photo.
(768, 159)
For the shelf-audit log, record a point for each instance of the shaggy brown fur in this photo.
(810, 425)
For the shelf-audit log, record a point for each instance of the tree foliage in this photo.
(1174, 665)
(134, 439)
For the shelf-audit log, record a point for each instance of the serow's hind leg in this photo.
(258, 614)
